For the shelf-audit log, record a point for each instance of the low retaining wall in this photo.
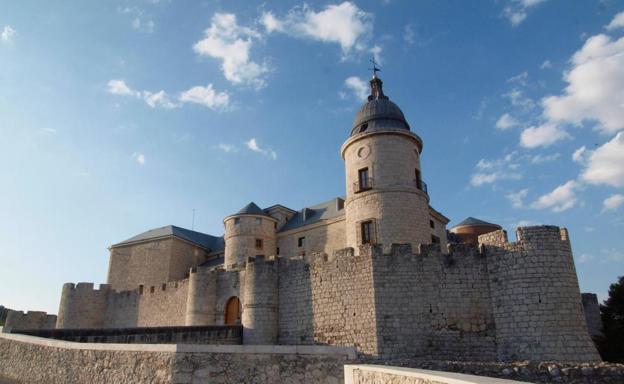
(373, 374)
(28, 359)
(221, 334)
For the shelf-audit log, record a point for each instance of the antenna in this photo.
(193, 224)
(375, 69)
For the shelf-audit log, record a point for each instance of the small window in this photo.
(236, 220)
(431, 224)
(363, 127)
(435, 239)
(258, 243)
(275, 225)
(418, 179)
(301, 242)
(278, 250)
(258, 221)
(363, 179)
(367, 231)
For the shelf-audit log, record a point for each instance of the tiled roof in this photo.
(209, 242)
(474, 221)
(310, 215)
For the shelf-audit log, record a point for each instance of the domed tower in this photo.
(249, 232)
(387, 201)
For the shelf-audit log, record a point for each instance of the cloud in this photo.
(227, 148)
(584, 258)
(595, 87)
(140, 20)
(517, 99)
(491, 171)
(409, 36)
(617, 22)
(516, 10)
(520, 79)
(358, 87)
(559, 199)
(579, 155)
(231, 43)
(158, 99)
(8, 34)
(605, 165)
(612, 202)
(139, 157)
(271, 23)
(506, 121)
(252, 145)
(546, 64)
(343, 24)
(376, 52)
(542, 136)
(538, 159)
(207, 97)
(517, 198)
(119, 87)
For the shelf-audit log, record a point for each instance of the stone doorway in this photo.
(232, 311)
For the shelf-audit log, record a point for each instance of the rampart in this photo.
(18, 320)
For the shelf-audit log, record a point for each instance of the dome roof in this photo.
(379, 112)
(474, 222)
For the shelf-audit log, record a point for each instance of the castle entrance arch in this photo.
(232, 311)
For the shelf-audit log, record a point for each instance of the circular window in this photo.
(363, 152)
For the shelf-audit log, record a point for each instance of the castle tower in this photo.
(260, 301)
(249, 232)
(387, 201)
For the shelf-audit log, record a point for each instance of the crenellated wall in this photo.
(18, 320)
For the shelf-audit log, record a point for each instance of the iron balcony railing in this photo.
(421, 185)
(363, 185)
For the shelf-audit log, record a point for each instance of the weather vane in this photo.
(375, 69)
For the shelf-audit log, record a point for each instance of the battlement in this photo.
(18, 320)
(85, 287)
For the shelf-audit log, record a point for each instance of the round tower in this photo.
(387, 200)
(249, 232)
(260, 301)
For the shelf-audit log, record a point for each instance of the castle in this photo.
(374, 270)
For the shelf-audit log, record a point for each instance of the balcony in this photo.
(421, 185)
(363, 185)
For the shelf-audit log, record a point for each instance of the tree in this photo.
(611, 346)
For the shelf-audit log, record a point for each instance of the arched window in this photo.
(232, 311)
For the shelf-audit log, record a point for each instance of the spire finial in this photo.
(376, 83)
(375, 69)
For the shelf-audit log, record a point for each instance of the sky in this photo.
(121, 116)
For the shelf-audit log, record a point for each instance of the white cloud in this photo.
(139, 157)
(358, 87)
(517, 198)
(612, 202)
(158, 99)
(605, 165)
(517, 99)
(206, 96)
(579, 155)
(506, 121)
(409, 36)
(271, 23)
(520, 79)
(253, 145)
(595, 90)
(584, 258)
(516, 10)
(491, 171)
(612, 254)
(538, 159)
(140, 20)
(542, 136)
(559, 199)
(617, 22)
(227, 148)
(376, 51)
(344, 24)
(119, 87)
(546, 64)
(7, 34)
(231, 43)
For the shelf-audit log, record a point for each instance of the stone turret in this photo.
(249, 232)
(82, 306)
(387, 201)
(260, 301)
(202, 298)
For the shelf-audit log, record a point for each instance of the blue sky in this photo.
(121, 116)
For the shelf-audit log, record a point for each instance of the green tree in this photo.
(611, 346)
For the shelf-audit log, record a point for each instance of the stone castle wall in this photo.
(151, 263)
(240, 238)
(326, 237)
(18, 320)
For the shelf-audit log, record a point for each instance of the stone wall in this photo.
(327, 236)
(536, 300)
(18, 320)
(66, 362)
(152, 263)
(241, 233)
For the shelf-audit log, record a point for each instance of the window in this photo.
(367, 231)
(258, 243)
(435, 239)
(418, 179)
(301, 242)
(275, 225)
(363, 179)
(258, 221)
(278, 250)
(431, 224)
(363, 127)
(236, 220)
